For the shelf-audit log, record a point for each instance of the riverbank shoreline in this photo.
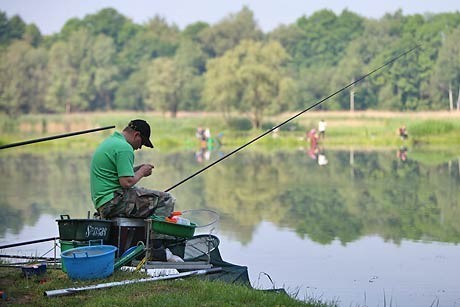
(363, 130)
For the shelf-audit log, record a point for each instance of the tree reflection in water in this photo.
(354, 195)
(337, 218)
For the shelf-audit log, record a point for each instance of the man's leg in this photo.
(138, 203)
(112, 208)
(148, 202)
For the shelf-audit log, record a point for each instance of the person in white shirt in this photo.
(322, 129)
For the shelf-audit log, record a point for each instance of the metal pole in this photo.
(69, 291)
(54, 137)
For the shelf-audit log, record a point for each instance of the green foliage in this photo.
(16, 28)
(32, 35)
(98, 62)
(192, 31)
(108, 22)
(166, 85)
(430, 127)
(229, 33)
(82, 73)
(22, 62)
(290, 126)
(238, 123)
(323, 37)
(132, 93)
(247, 78)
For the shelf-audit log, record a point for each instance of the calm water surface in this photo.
(364, 229)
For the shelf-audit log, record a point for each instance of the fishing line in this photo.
(295, 116)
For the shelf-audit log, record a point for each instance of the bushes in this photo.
(290, 126)
(239, 123)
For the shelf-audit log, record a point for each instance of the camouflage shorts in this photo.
(138, 202)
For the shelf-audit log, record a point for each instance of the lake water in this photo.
(362, 229)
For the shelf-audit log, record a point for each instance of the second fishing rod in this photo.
(296, 115)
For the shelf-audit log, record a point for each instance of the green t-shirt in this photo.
(113, 158)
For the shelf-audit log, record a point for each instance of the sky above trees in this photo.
(51, 15)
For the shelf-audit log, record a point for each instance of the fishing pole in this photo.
(54, 137)
(295, 116)
(28, 242)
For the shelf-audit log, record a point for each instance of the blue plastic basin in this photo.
(89, 262)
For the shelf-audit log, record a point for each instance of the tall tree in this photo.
(70, 73)
(191, 58)
(350, 68)
(166, 85)
(16, 27)
(132, 93)
(22, 79)
(248, 78)
(229, 32)
(32, 35)
(10, 28)
(108, 22)
(103, 71)
(72, 25)
(156, 39)
(4, 35)
(359, 58)
(192, 31)
(322, 38)
(447, 69)
(63, 79)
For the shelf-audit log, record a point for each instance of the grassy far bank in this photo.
(184, 292)
(370, 130)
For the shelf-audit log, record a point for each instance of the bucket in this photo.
(33, 269)
(66, 245)
(83, 229)
(90, 262)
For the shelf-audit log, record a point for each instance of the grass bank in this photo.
(428, 131)
(186, 292)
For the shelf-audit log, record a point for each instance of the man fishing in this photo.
(113, 177)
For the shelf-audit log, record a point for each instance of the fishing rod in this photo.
(28, 257)
(54, 137)
(295, 116)
(28, 242)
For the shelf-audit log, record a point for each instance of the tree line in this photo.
(105, 61)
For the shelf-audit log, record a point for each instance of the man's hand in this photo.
(145, 170)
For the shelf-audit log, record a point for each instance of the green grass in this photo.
(190, 291)
(364, 130)
(432, 127)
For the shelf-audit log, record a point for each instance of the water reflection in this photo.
(358, 194)
(207, 144)
(401, 154)
(315, 142)
(364, 225)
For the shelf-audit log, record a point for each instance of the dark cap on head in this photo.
(143, 127)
